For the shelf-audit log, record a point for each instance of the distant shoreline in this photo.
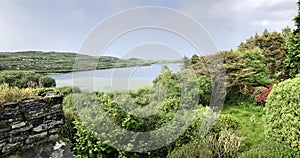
(60, 62)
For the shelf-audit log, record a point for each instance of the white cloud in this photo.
(233, 21)
(229, 22)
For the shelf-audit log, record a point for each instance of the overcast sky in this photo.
(62, 25)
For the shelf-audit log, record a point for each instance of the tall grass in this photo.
(14, 94)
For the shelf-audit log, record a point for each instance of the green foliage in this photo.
(47, 81)
(287, 33)
(85, 120)
(273, 46)
(244, 69)
(226, 122)
(204, 90)
(256, 62)
(293, 57)
(24, 79)
(65, 90)
(142, 96)
(282, 113)
(194, 59)
(269, 149)
(297, 18)
(169, 81)
(87, 144)
(191, 150)
(62, 91)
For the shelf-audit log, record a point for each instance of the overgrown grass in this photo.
(14, 94)
(250, 116)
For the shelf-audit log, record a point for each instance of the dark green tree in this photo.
(194, 59)
(274, 49)
(293, 57)
(297, 19)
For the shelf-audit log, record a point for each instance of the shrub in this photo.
(25, 79)
(82, 113)
(64, 91)
(46, 81)
(87, 144)
(260, 94)
(269, 149)
(191, 150)
(226, 122)
(225, 144)
(14, 94)
(282, 113)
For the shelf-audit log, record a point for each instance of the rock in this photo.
(52, 149)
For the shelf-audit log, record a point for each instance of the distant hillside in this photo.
(60, 62)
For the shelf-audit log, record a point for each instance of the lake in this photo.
(107, 80)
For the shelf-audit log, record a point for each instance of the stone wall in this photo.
(29, 123)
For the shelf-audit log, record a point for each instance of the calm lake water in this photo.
(113, 79)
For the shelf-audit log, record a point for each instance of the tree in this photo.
(274, 49)
(256, 62)
(297, 19)
(194, 59)
(293, 57)
(244, 69)
(287, 33)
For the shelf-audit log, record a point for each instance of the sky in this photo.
(63, 25)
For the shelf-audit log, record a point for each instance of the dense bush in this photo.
(47, 81)
(84, 110)
(270, 149)
(169, 81)
(226, 122)
(282, 113)
(191, 150)
(25, 79)
(14, 94)
(88, 145)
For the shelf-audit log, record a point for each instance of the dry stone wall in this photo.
(28, 123)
